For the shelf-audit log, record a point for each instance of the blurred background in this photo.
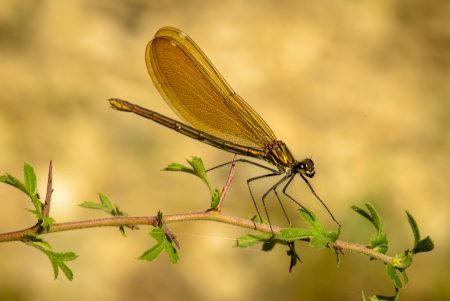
(361, 87)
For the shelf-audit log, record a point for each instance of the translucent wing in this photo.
(198, 94)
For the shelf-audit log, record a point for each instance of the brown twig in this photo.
(48, 195)
(175, 218)
(227, 185)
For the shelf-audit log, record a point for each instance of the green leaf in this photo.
(91, 205)
(319, 238)
(179, 167)
(414, 227)
(47, 222)
(11, 180)
(57, 259)
(171, 251)
(104, 205)
(249, 240)
(362, 212)
(164, 243)
(379, 243)
(420, 245)
(197, 168)
(107, 205)
(405, 276)
(292, 234)
(30, 179)
(30, 239)
(28, 187)
(158, 234)
(392, 273)
(424, 245)
(377, 221)
(152, 253)
(372, 215)
(215, 198)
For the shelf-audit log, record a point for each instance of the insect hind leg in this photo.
(249, 181)
(274, 187)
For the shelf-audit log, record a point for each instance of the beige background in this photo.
(362, 87)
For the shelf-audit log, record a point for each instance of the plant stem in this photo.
(176, 218)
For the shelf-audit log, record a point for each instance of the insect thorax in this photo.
(279, 155)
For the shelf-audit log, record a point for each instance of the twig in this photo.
(48, 195)
(174, 218)
(227, 185)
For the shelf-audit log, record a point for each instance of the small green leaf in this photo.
(30, 239)
(310, 218)
(249, 240)
(362, 212)
(372, 216)
(420, 245)
(152, 253)
(179, 167)
(199, 168)
(104, 205)
(292, 234)
(379, 243)
(405, 276)
(215, 198)
(319, 238)
(91, 205)
(28, 187)
(392, 273)
(66, 256)
(424, 245)
(11, 180)
(158, 234)
(164, 243)
(171, 251)
(30, 179)
(377, 221)
(57, 259)
(66, 270)
(414, 227)
(107, 205)
(47, 222)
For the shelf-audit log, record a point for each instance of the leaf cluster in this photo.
(401, 261)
